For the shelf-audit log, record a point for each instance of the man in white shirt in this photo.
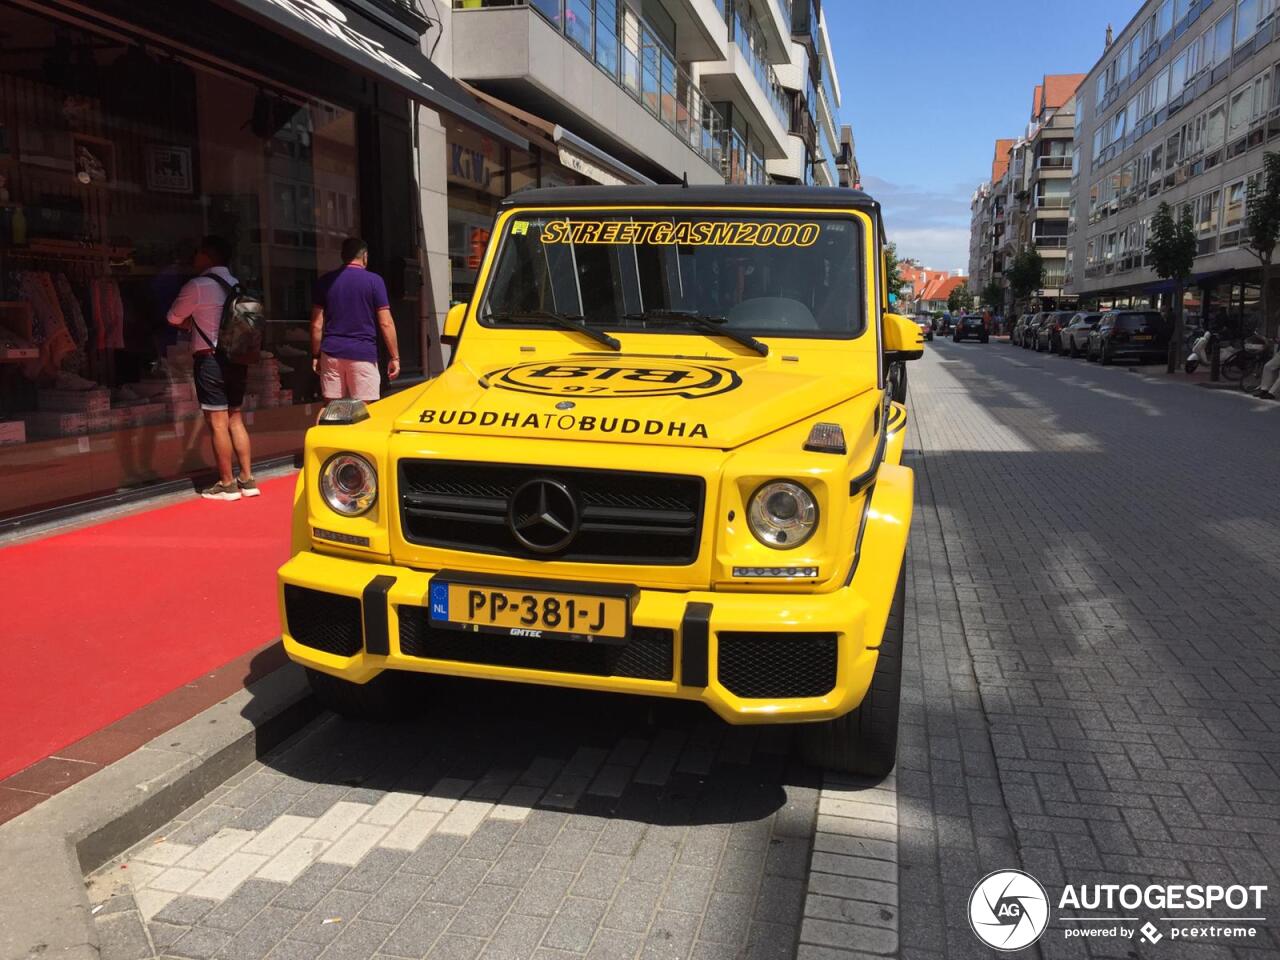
(219, 383)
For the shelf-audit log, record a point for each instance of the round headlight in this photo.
(782, 514)
(349, 484)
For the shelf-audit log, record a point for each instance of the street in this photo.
(1090, 694)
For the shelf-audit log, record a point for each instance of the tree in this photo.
(1262, 203)
(893, 276)
(1025, 273)
(960, 299)
(1171, 244)
(993, 295)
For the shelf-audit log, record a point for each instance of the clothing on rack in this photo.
(108, 313)
(49, 326)
(74, 316)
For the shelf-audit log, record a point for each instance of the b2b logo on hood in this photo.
(606, 378)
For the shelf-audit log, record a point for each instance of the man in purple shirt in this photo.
(349, 307)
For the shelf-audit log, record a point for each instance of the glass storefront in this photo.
(481, 171)
(114, 162)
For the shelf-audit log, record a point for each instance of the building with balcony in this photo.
(1027, 201)
(1179, 109)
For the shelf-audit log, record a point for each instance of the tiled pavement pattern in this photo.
(1091, 684)
(1090, 693)
(513, 823)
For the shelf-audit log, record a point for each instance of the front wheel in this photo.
(1105, 356)
(865, 740)
(1251, 382)
(1074, 351)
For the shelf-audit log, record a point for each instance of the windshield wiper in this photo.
(707, 324)
(562, 320)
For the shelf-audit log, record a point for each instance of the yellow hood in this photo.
(629, 397)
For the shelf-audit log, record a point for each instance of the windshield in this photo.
(788, 276)
(1137, 321)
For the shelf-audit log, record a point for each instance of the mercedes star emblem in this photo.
(543, 516)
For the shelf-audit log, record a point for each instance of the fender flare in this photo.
(882, 544)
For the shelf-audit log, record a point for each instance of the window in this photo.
(1246, 20)
(1135, 49)
(1117, 127)
(1216, 129)
(1221, 40)
(1207, 209)
(1161, 97)
(1180, 10)
(1164, 18)
(1178, 73)
(1097, 142)
(1233, 215)
(1121, 66)
(1238, 116)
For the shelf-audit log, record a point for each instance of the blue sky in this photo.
(929, 85)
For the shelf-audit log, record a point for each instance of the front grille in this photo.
(647, 656)
(625, 517)
(323, 621)
(777, 666)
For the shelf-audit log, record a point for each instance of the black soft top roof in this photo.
(717, 195)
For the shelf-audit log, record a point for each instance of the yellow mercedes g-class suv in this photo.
(664, 460)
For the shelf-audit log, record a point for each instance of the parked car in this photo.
(971, 328)
(1129, 335)
(1024, 323)
(926, 327)
(1032, 330)
(1075, 337)
(1049, 333)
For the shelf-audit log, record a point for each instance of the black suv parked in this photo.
(1130, 335)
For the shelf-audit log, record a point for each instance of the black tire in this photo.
(1251, 382)
(865, 741)
(1074, 352)
(1233, 368)
(388, 696)
(986, 339)
(1105, 357)
(898, 382)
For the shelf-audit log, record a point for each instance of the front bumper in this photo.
(740, 653)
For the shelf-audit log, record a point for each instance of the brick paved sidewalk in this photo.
(1092, 672)
(608, 827)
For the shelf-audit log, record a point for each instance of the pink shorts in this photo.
(342, 379)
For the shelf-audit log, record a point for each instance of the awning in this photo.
(572, 150)
(344, 35)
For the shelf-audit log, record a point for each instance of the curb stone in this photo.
(851, 908)
(46, 852)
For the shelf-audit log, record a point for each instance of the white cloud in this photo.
(930, 225)
(939, 248)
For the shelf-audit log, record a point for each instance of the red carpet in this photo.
(101, 621)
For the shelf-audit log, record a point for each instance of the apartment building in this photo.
(1026, 203)
(633, 91)
(1180, 109)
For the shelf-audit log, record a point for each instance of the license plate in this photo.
(1142, 336)
(519, 609)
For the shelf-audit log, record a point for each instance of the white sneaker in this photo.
(222, 491)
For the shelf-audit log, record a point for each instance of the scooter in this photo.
(1202, 351)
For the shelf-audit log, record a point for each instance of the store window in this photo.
(114, 163)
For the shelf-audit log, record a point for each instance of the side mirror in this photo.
(453, 323)
(903, 339)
